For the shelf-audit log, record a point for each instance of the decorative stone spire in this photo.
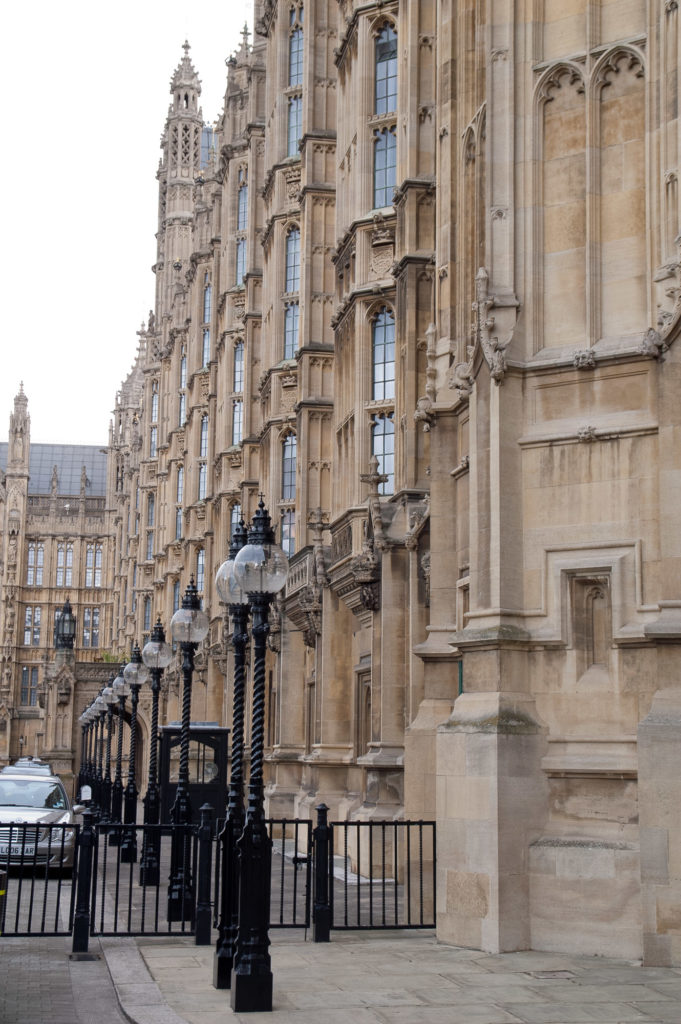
(19, 429)
(185, 77)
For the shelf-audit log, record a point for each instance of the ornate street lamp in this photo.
(135, 675)
(237, 602)
(260, 569)
(120, 693)
(99, 709)
(108, 698)
(157, 655)
(188, 627)
(65, 628)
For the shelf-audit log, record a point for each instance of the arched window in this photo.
(154, 401)
(288, 468)
(200, 569)
(234, 519)
(288, 532)
(385, 166)
(207, 299)
(179, 490)
(295, 124)
(383, 447)
(183, 371)
(203, 444)
(151, 509)
(385, 81)
(147, 614)
(238, 375)
(237, 421)
(240, 260)
(242, 209)
(203, 481)
(295, 51)
(292, 283)
(205, 349)
(176, 595)
(383, 355)
(291, 324)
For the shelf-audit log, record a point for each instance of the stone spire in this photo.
(185, 77)
(19, 430)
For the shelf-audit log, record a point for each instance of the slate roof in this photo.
(69, 460)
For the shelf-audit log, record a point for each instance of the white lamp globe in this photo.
(227, 586)
(261, 568)
(189, 624)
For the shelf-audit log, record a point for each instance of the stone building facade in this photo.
(421, 288)
(54, 545)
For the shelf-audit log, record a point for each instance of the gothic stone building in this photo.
(54, 545)
(421, 289)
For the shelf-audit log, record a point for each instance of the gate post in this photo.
(81, 918)
(203, 909)
(321, 913)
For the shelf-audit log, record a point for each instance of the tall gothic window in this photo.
(383, 355)
(154, 401)
(34, 565)
(200, 569)
(93, 565)
(151, 510)
(383, 446)
(203, 444)
(238, 374)
(183, 395)
(203, 481)
(205, 349)
(242, 207)
(176, 595)
(29, 685)
(234, 519)
(237, 421)
(292, 283)
(207, 299)
(32, 626)
(385, 166)
(288, 468)
(385, 82)
(90, 627)
(240, 260)
(291, 325)
(295, 124)
(64, 565)
(147, 615)
(149, 553)
(153, 441)
(288, 532)
(295, 48)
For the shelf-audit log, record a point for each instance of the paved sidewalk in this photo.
(395, 978)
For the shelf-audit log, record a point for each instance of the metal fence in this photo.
(96, 880)
(382, 874)
(40, 862)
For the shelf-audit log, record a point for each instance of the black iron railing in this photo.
(40, 862)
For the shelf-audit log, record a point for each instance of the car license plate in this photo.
(16, 851)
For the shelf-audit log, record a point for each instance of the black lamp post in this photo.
(83, 749)
(98, 707)
(188, 626)
(108, 698)
(237, 603)
(260, 569)
(157, 655)
(119, 689)
(135, 674)
(65, 628)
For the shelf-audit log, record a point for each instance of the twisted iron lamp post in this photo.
(260, 569)
(108, 698)
(120, 693)
(157, 655)
(237, 603)
(100, 713)
(135, 674)
(188, 627)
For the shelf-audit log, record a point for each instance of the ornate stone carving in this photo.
(292, 182)
(587, 435)
(424, 407)
(492, 347)
(585, 359)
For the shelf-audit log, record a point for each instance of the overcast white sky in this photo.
(86, 93)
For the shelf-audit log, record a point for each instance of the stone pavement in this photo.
(362, 978)
(397, 978)
(40, 984)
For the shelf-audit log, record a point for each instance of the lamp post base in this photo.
(251, 993)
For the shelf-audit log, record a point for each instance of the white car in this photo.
(36, 821)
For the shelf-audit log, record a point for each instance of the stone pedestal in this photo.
(491, 804)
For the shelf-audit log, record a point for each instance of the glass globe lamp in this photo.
(135, 672)
(157, 654)
(189, 624)
(108, 695)
(120, 686)
(261, 567)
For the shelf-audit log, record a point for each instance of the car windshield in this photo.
(32, 793)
